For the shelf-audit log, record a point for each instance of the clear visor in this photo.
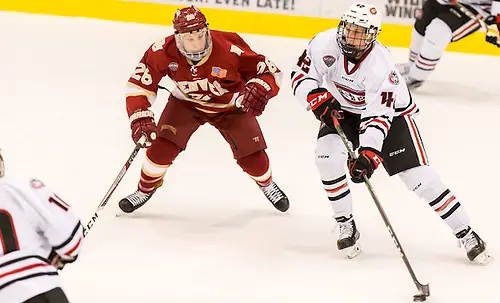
(195, 41)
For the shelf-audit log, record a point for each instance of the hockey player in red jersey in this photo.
(219, 80)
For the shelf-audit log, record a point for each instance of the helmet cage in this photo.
(354, 47)
(181, 39)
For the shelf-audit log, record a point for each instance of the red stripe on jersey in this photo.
(298, 77)
(74, 247)
(409, 110)
(384, 124)
(417, 139)
(15, 271)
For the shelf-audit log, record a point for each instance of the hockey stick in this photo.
(423, 289)
(492, 35)
(117, 181)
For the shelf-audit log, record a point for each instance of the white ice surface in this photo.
(209, 235)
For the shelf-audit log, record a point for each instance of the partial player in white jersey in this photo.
(38, 235)
(345, 71)
(440, 23)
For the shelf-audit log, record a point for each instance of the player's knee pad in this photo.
(330, 156)
(423, 181)
(163, 152)
(256, 164)
(438, 34)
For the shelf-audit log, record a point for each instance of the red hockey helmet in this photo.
(192, 35)
(189, 19)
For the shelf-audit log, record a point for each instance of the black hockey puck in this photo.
(419, 298)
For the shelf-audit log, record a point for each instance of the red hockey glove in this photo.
(324, 106)
(366, 163)
(491, 35)
(255, 96)
(143, 122)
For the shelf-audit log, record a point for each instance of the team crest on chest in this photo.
(393, 78)
(329, 60)
(173, 66)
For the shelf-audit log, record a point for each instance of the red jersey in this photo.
(212, 84)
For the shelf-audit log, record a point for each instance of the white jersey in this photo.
(372, 88)
(33, 221)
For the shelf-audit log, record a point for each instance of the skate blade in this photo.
(483, 258)
(352, 252)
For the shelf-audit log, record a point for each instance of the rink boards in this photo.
(288, 18)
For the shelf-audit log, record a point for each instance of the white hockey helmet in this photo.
(358, 29)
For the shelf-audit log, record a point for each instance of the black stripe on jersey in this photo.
(373, 117)
(430, 60)
(70, 237)
(53, 273)
(374, 126)
(451, 211)
(342, 195)
(334, 181)
(300, 81)
(438, 199)
(398, 110)
(292, 74)
(24, 258)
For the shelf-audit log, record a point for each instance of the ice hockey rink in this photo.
(209, 235)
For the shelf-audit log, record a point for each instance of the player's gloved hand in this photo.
(324, 106)
(491, 35)
(254, 97)
(366, 163)
(143, 122)
(59, 261)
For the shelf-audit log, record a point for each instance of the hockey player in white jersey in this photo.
(38, 235)
(345, 70)
(440, 23)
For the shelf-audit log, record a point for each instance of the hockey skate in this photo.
(134, 201)
(474, 246)
(413, 83)
(276, 196)
(348, 238)
(404, 70)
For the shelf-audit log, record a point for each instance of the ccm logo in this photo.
(319, 99)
